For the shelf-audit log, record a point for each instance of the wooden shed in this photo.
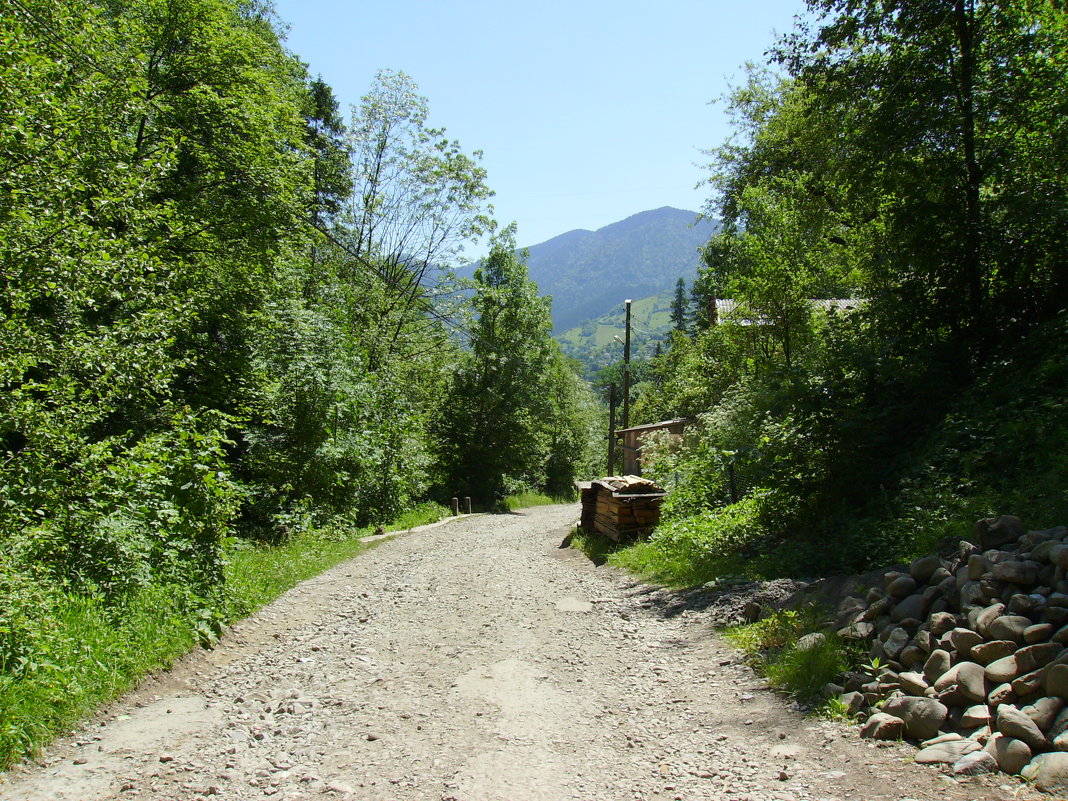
(617, 506)
(632, 441)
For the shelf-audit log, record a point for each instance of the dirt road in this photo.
(473, 661)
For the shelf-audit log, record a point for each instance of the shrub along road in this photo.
(474, 660)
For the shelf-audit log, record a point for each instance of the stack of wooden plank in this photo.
(621, 505)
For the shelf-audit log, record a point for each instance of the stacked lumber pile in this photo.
(621, 505)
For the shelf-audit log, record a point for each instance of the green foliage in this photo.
(206, 335)
(772, 646)
(680, 307)
(417, 196)
(597, 548)
(885, 164)
(524, 500)
(85, 652)
(694, 549)
(517, 417)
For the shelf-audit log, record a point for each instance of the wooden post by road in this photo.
(455, 507)
(467, 505)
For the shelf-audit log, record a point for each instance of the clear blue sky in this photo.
(587, 111)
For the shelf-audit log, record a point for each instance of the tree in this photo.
(786, 237)
(157, 153)
(514, 416)
(325, 138)
(418, 198)
(680, 312)
(942, 112)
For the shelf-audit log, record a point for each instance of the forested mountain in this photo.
(594, 343)
(588, 272)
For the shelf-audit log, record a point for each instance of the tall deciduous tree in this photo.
(417, 200)
(515, 414)
(418, 197)
(947, 133)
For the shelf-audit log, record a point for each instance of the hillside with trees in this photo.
(909, 156)
(585, 271)
(223, 325)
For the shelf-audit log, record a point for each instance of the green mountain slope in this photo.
(592, 341)
(588, 273)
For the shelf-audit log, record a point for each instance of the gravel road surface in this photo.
(473, 661)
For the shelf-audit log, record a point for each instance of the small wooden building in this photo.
(632, 441)
(618, 506)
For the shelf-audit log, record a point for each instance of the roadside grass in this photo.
(801, 667)
(89, 652)
(673, 567)
(770, 645)
(524, 500)
(598, 549)
(421, 515)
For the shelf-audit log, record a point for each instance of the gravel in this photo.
(474, 661)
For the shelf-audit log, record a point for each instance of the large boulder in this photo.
(975, 764)
(1002, 694)
(1056, 681)
(1032, 657)
(963, 640)
(986, 652)
(1043, 712)
(970, 680)
(1039, 632)
(901, 587)
(1048, 772)
(924, 567)
(936, 665)
(984, 617)
(1012, 722)
(976, 716)
(947, 752)
(1008, 627)
(913, 683)
(1002, 670)
(942, 622)
(997, 531)
(882, 726)
(1012, 755)
(923, 716)
(1024, 572)
(911, 607)
(1058, 555)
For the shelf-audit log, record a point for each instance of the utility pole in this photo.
(626, 371)
(612, 430)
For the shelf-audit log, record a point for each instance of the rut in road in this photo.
(473, 661)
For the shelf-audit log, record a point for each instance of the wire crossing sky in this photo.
(586, 111)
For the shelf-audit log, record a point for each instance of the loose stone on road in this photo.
(473, 661)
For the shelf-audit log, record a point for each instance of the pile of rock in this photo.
(968, 654)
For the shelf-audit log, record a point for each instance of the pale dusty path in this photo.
(473, 661)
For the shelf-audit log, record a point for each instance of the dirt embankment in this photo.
(471, 661)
